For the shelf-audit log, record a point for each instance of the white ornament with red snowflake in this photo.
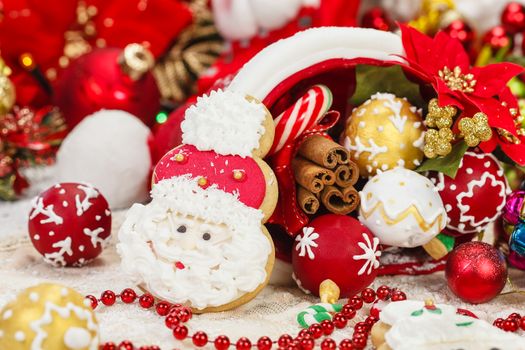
(476, 196)
(69, 224)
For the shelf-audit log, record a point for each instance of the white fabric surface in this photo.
(271, 313)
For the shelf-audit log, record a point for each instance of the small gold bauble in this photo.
(48, 316)
(7, 95)
(385, 132)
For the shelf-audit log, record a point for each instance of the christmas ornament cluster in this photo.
(319, 161)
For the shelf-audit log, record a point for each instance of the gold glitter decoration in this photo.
(431, 15)
(475, 129)
(194, 51)
(457, 81)
(7, 90)
(49, 316)
(438, 142)
(507, 136)
(384, 132)
(136, 60)
(439, 117)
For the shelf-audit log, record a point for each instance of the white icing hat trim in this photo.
(224, 122)
(213, 276)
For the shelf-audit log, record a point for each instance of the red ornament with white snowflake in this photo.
(69, 224)
(339, 248)
(475, 197)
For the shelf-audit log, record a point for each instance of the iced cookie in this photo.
(251, 178)
(196, 245)
(409, 324)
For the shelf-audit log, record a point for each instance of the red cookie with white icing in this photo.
(475, 197)
(338, 248)
(250, 178)
(69, 224)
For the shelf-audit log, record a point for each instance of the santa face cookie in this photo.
(412, 324)
(197, 246)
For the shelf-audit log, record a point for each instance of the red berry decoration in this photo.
(108, 298)
(328, 344)
(146, 301)
(222, 342)
(461, 31)
(339, 248)
(69, 224)
(376, 18)
(264, 343)
(498, 38)
(243, 344)
(180, 332)
(128, 295)
(476, 272)
(513, 17)
(163, 308)
(475, 197)
(200, 339)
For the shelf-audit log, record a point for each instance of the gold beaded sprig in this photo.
(476, 129)
(439, 142)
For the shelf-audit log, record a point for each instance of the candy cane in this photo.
(303, 114)
(317, 313)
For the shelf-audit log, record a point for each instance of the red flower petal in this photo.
(418, 48)
(490, 145)
(515, 152)
(492, 79)
(498, 115)
(450, 53)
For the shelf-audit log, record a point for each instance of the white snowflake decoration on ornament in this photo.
(371, 255)
(307, 242)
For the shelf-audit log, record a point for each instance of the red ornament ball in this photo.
(102, 79)
(476, 272)
(339, 248)
(513, 17)
(475, 197)
(497, 38)
(376, 18)
(69, 224)
(461, 31)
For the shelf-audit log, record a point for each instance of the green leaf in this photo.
(448, 164)
(464, 324)
(417, 313)
(373, 79)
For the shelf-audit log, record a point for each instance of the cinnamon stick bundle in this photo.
(323, 152)
(311, 176)
(333, 199)
(307, 201)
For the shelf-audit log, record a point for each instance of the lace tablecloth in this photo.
(271, 313)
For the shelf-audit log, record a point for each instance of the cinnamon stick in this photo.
(307, 200)
(333, 200)
(324, 152)
(351, 197)
(346, 175)
(311, 176)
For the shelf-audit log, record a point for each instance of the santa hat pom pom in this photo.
(226, 122)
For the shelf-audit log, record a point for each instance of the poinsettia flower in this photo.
(443, 63)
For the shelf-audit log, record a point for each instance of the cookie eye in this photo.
(181, 229)
(206, 236)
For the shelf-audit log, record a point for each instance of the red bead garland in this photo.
(176, 315)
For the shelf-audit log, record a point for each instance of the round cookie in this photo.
(406, 325)
(229, 123)
(196, 245)
(251, 178)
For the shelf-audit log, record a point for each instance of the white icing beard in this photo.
(216, 264)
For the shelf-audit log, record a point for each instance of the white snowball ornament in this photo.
(109, 150)
(402, 208)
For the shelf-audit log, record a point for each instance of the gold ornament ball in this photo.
(7, 95)
(48, 316)
(385, 132)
